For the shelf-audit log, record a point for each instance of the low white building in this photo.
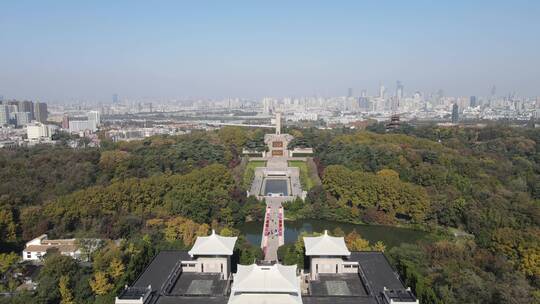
(77, 126)
(301, 152)
(303, 116)
(326, 254)
(37, 130)
(257, 284)
(36, 249)
(211, 254)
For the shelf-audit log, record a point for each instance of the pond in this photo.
(391, 236)
(276, 186)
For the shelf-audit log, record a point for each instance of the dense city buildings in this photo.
(126, 120)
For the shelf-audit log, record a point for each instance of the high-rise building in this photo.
(382, 91)
(40, 111)
(22, 118)
(473, 102)
(537, 106)
(363, 103)
(13, 103)
(349, 92)
(27, 106)
(94, 119)
(115, 98)
(455, 113)
(12, 109)
(268, 106)
(363, 93)
(399, 90)
(4, 115)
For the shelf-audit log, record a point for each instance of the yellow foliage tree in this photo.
(116, 269)
(100, 284)
(202, 230)
(379, 246)
(180, 228)
(154, 222)
(226, 232)
(355, 242)
(65, 293)
(530, 262)
(388, 173)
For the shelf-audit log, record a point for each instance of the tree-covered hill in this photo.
(476, 189)
(481, 181)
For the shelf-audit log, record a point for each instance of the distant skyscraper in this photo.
(22, 118)
(493, 91)
(399, 90)
(363, 103)
(94, 120)
(268, 105)
(381, 91)
(349, 92)
(537, 112)
(27, 106)
(115, 98)
(455, 113)
(363, 93)
(472, 102)
(4, 114)
(40, 111)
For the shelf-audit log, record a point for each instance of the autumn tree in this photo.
(355, 242)
(379, 246)
(66, 295)
(100, 283)
(116, 269)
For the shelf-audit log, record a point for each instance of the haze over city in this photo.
(269, 152)
(66, 51)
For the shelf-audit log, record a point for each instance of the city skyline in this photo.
(68, 51)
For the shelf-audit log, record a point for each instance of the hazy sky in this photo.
(88, 50)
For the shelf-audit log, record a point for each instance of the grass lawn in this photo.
(305, 180)
(249, 173)
(256, 163)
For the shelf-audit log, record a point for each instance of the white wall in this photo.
(36, 256)
(330, 265)
(209, 265)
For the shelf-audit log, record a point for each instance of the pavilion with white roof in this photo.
(211, 254)
(258, 284)
(327, 254)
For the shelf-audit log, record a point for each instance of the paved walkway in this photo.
(274, 225)
(273, 229)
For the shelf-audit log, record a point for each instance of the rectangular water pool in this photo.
(276, 186)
